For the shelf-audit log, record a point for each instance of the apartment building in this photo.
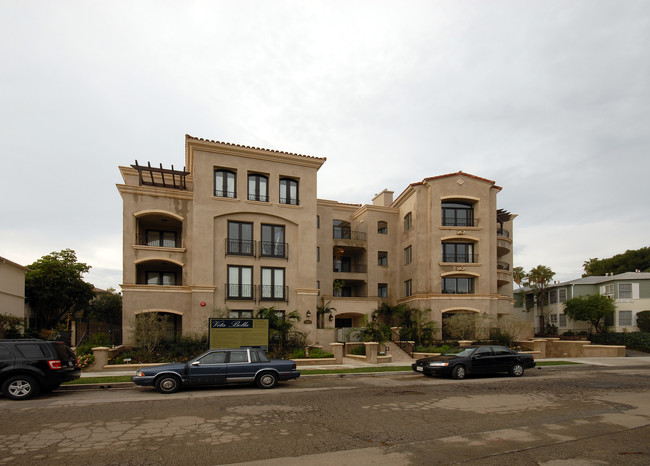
(241, 228)
(630, 291)
(12, 288)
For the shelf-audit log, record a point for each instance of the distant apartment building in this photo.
(630, 291)
(241, 228)
(12, 288)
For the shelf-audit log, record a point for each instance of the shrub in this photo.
(359, 350)
(432, 349)
(85, 360)
(633, 340)
(11, 326)
(315, 353)
(643, 321)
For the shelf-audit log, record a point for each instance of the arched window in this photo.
(288, 191)
(457, 214)
(258, 188)
(382, 228)
(225, 183)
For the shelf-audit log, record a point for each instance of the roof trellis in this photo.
(161, 177)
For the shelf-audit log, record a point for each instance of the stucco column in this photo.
(337, 350)
(372, 348)
(101, 357)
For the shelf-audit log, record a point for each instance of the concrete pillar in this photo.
(465, 343)
(101, 357)
(337, 350)
(372, 348)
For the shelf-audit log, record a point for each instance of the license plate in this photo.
(419, 368)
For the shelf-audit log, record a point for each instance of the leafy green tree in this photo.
(106, 307)
(375, 331)
(538, 279)
(593, 309)
(389, 315)
(54, 287)
(630, 261)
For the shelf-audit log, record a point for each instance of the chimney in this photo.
(383, 199)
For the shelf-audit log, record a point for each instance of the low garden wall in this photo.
(543, 348)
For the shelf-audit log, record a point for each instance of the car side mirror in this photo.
(195, 363)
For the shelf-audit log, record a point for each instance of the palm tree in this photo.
(280, 324)
(321, 311)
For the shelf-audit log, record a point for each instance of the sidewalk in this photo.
(349, 363)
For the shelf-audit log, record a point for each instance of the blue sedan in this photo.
(217, 367)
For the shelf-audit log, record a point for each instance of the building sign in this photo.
(236, 333)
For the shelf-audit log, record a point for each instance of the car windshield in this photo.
(460, 352)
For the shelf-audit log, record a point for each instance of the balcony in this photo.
(503, 233)
(274, 249)
(274, 293)
(504, 246)
(460, 258)
(239, 247)
(240, 292)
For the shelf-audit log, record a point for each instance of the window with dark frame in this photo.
(236, 314)
(408, 255)
(408, 221)
(408, 288)
(273, 283)
(258, 188)
(382, 258)
(382, 228)
(382, 290)
(240, 238)
(457, 214)
(289, 191)
(273, 243)
(225, 183)
(161, 239)
(458, 252)
(458, 285)
(161, 278)
(240, 282)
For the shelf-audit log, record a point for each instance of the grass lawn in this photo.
(358, 370)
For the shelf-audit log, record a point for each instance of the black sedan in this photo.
(459, 362)
(216, 367)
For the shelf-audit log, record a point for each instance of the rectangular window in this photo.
(562, 321)
(317, 254)
(162, 239)
(457, 214)
(225, 183)
(609, 290)
(382, 228)
(382, 290)
(408, 221)
(240, 282)
(458, 252)
(273, 244)
(553, 319)
(240, 238)
(161, 278)
(382, 258)
(552, 297)
(458, 285)
(272, 283)
(407, 255)
(343, 264)
(624, 291)
(341, 229)
(240, 314)
(408, 288)
(258, 188)
(288, 191)
(624, 318)
(562, 293)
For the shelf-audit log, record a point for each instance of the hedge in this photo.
(633, 340)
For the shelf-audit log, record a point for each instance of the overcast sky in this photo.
(550, 99)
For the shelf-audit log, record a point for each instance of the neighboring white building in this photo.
(630, 290)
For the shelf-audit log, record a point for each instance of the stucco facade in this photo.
(241, 228)
(12, 288)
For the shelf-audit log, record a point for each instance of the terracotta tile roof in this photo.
(420, 183)
(187, 136)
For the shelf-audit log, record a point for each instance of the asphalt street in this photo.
(562, 415)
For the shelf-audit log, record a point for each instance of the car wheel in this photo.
(266, 380)
(459, 372)
(168, 384)
(20, 387)
(517, 370)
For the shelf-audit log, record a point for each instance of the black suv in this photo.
(30, 366)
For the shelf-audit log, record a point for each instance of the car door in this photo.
(6, 357)
(241, 367)
(209, 369)
(483, 360)
(504, 358)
